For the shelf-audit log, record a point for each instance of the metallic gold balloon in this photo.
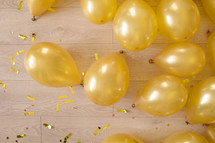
(181, 59)
(209, 6)
(135, 25)
(211, 50)
(121, 138)
(106, 81)
(38, 7)
(211, 133)
(51, 65)
(162, 96)
(99, 11)
(178, 20)
(186, 137)
(200, 106)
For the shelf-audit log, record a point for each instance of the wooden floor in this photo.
(70, 29)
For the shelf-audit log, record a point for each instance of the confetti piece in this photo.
(122, 111)
(71, 89)
(23, 37)
(19, 52)
(31, 98)
(68, 101)
(21, 136)
(96, 56)
(79, 141)
(3, 85)
(185, 81)
(16, 71)
(29, 113)
(105, 126)
(33, 37)
(57, 107)
(12, 59)
(67, 137)
(62, 96)
(48, 126)
(83, 73)
(97, 130)
(20, 5)
(52, 10)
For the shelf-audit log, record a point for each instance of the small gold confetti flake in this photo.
(31, 98)
(52, 10)
(13, 69)
(28, 113)
(68, 101)
(83, 73)
(105, 126)
(21, 136)
(122, 111)
(185, 81)
(96, 56)
(33, 37)
(3, 85)
(97, 130)
(23, 37)
(48, 126)
(71, 89)
(62, 96)
(67, 137)
(79, 141)
(57, 106)
(19, 52)
(12, 60)
(20, 5)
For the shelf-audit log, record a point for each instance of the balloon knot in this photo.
(187, 122)
(34, 19)
(151, 61)
(121, 52)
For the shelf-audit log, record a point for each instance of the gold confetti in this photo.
(19, 52)
(79, 141)
(105, 126)
(31, 98)
(48, 126)
(71, 89)
(33, 37)
(83, 73)
(122, 111)
(62, 96)
(3, 85)
(12, 59)
(185, 81)
(67, 137)
(57, 107)
(21, 136)
(97, 130)
(68, 101)
(20, 5)
(96, 56)
(52, 10)
(16, 71)
(28, 113)
(23, 37)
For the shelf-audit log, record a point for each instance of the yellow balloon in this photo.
(135, 25)
(178, 20)
(38, 7)
(186, 137)
(200, 106)
(99, 11)
(211, 50)
(181, 59)
(121, 138)
(106, 81)
(162, 96)
(51, 65)
(209, 6)
(211, 133)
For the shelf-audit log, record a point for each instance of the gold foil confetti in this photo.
(33, 37)
(16, 71)
(83, 73)
(97, 130)
(185, 81)
(28, 113)
(71, 89)
(21, 136)
(31, 98)
(57, 106)
(3, 85)
(19, 52)
(23, 37)
(48, 126)
(68, 101)
(96, 56)
(122, 111)
(79, 141)
(62, 96)
(67, 137)
(20, 5)
(52, 10)
(105, 126)
(12, 59)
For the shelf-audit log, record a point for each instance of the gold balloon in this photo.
(178, 20)
(99, 11)
(211, 50)
(51, 65)
(38, 7)
(181, 59)
(186, 137)
(211, 133)
(121, 138)
(135, 25)
(200, 106)
(106, 81)
(209, 6)
(162, 96)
